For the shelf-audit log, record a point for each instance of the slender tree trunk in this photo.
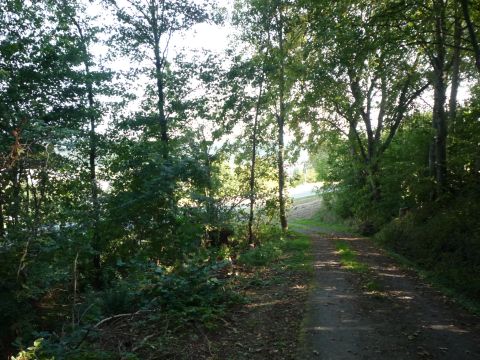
(96, 241)
(162, 119)
(16, 172)
(93, 184)
(440, 127)
(281, 124)
(251, 238)
(2, 217)
(455, 72)
(439, 120)
(281, 174)
(471, 32)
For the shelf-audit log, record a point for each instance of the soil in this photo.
(403, 318)
(265, 327)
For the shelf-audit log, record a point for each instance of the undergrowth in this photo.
(286, 251)
(442, 240)
(195, 294)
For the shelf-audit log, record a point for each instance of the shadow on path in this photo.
(404, 319)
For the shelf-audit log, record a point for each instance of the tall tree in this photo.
(85, 35)
(146, 29)
(281, 114)
(273, 19)
(434, 30)
(364, 79)
(472, 31)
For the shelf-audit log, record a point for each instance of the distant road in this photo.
(304, 190)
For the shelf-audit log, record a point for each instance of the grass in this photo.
(348, 258)
(289, 252)
(297, 253)
(317, 224)
(323, 221)
(305, 200)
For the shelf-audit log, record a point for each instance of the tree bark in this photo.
(455, 72)
(159, 63)
(281, 174)
(96, 241)
(16, 175)
(2, 219)
(251, 238)
(281, 124)
(439, 121)
(471, 32)
(93, 183)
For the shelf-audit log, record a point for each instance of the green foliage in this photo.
(262, 255)
(443, 238)
(174, 162)
(286, 251)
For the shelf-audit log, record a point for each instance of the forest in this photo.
(141, 176)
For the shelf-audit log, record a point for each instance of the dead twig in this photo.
(207, 341)
(118, 316)
(145, 339)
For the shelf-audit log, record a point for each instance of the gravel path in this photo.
(403, 319)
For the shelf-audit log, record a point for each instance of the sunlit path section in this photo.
(373, 309)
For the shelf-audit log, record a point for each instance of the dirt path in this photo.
(403, 319)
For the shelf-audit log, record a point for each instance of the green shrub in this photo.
(261, 255)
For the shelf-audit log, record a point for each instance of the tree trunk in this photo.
(439, 120)
(93, 184)
(471, 33)
(16, 174)
(160, 83)
(281, 174)
(281, 124)
(2, 219)
(455, 72)
(96, 241)
(251, 238)
(373, 180)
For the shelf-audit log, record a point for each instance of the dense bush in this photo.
(196, 291)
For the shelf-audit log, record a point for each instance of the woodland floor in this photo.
(266, 327)
(371, 308)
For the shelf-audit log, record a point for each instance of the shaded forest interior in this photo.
(139, 180)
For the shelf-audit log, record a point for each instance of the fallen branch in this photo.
(142, 343)
(118, 316)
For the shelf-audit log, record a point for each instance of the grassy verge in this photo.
(275, 278)
(436, 280)
(320, 223)
(285, 252)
